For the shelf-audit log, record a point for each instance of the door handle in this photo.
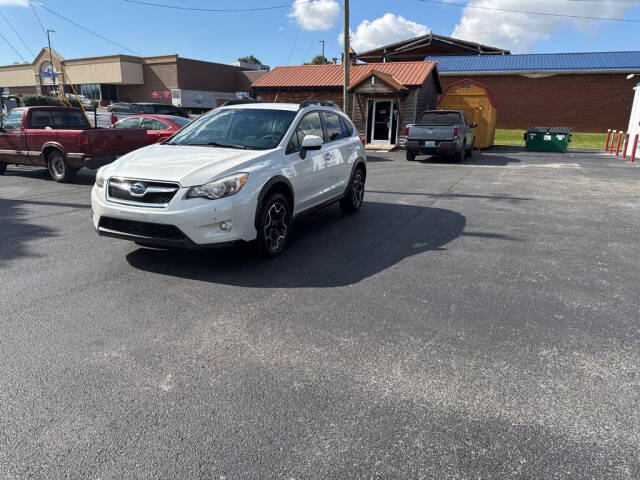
(119, 137)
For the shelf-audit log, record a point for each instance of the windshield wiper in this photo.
(221, 145)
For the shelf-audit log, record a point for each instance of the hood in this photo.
(188, 165)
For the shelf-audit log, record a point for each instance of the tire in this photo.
(411, 156)
(469, 153)
(354, 196)
(3, 168)
(274, 225)
(459, 156)
(59, 168)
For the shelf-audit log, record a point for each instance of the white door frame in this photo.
(373, 122)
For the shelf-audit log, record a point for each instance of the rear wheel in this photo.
(274, 225)
(352, 200)
(411, 156)
(470, 151)
(459, 155)
(59, 168)
(3, 168)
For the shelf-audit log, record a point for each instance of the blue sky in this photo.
(279, 37)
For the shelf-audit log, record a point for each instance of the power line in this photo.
(84, 28)
(526, 12)
(13, 48)
(44, 30)
(19, 36)
(219, 10)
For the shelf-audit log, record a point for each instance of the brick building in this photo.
(383, 96)
(587, 91)
(130, 78)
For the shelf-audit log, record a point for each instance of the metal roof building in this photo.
(590, 62)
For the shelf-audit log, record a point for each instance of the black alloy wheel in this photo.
(354, 195)
(274, 225)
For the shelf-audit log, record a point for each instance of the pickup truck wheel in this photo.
(3, 168)
(459, 156)
(352, 200)
(469, 152)
(411, 156)
(274, 225)
(59, 168)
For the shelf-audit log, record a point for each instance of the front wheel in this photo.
(3, 168)
(459, 155)
(352, 200)
(59, 168)
(469, 153)
(274, 225)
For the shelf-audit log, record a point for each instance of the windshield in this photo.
(440, 118)
(251, 128)
(180, 121)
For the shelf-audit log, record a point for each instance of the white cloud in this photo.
(315, 14)
(382, 31)
(18, 3)
(519, 32)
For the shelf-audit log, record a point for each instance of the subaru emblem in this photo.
(138, 189)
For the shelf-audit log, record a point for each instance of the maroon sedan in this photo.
(158, 127)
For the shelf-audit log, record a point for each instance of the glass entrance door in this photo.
(382, 120)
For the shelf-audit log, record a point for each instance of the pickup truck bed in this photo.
(440, 132)
(61, 139)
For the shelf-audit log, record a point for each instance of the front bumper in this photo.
(184, 223)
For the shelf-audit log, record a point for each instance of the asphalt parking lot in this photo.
(472, 321)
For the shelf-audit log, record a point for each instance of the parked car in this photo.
(61, 139)
(440, 132)
(120, 108)
(86, 103)
(238, 173)
(158, 127)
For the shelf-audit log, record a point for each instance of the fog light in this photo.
(226, 226)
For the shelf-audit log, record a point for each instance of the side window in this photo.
(309, 125)
(13, 120)
(153, 124)
(40, 119)
(333, 126)
(346, 127)
(128, 123)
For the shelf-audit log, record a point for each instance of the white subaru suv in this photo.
(241, 172)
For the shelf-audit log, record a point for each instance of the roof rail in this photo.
(240, 102)
(323, 103)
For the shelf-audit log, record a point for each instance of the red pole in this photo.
(626, 145)
(633, 150)
(613, 140)
(606, 145)
(619, 142)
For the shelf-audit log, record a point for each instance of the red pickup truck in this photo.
(61, 139)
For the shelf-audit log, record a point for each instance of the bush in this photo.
(47, 101)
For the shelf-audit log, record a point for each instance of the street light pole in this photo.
(53, 70)
(322, 42)
(346, 59)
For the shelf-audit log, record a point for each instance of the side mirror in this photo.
(474, 125)
(310, 142)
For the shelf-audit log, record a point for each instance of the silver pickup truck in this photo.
(440, 132)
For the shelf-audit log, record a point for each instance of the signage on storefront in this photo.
(161, 94)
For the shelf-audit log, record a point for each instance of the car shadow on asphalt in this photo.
(16, 231)
(83, 177)
(326, 249)
(478, 158)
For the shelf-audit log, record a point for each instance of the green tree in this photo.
(250, 59)
(318, 60)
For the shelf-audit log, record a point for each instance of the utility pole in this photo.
(322, 42)
(53, 70)
(346, 60)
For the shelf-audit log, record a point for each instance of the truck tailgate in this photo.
(431, 132)
(111, 141)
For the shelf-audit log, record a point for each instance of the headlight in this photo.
(220, 188)
(100, 178)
